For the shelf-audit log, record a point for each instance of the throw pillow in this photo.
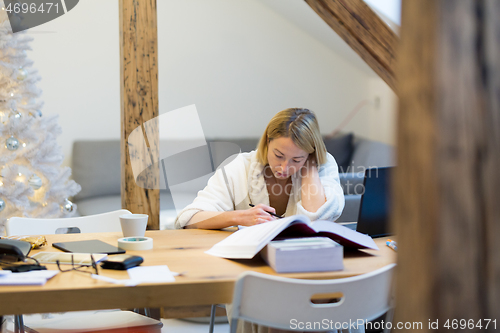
(341, 147)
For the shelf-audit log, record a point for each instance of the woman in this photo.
(290, 173)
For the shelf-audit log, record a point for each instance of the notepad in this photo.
(88, 246)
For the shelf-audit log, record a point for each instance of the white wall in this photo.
(239, 61)
(77, 56)
(381, 112)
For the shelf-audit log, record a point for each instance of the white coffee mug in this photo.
(134, 225)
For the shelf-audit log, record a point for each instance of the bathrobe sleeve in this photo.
(219, 194)
(334, 205)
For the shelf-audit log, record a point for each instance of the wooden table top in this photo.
(206, 279)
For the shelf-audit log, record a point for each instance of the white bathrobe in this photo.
(241, 182)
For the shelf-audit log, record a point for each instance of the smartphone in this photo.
(121, 261)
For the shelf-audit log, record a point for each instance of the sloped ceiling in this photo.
(299, 13)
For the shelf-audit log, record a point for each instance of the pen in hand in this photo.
(271, 213)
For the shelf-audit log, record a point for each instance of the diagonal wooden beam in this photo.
(364, 31)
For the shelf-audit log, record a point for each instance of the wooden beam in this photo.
(139, 107)
(447, 184)
(364, 32)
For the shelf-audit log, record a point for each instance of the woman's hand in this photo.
(256, 215)
(312, 191)
(218, 220)
(310, 168)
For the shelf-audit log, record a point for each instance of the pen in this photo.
(275, 215)
(392, 244)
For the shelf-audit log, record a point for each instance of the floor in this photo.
(184, 326)
(169, 326)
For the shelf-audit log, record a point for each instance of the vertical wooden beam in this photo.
(139, 107)
(364, 32)
(447, 184)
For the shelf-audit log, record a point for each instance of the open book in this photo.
(247, 242)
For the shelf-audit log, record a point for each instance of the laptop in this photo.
(373, 218)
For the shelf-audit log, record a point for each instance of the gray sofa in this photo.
(188, 165)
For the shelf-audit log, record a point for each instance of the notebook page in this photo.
(345, 233)
(246, 242)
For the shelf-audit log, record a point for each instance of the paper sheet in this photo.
(151, 274)
(27, 278)
(143, 274)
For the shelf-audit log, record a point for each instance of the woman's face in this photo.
(284, 157)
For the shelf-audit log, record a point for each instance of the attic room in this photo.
(276, 55)
(225, 68)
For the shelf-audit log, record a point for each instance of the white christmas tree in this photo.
(32, 182)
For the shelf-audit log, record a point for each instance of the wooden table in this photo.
(207, 279)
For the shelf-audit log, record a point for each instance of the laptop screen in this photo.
(375, 204)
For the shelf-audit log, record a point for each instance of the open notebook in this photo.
(247, 242)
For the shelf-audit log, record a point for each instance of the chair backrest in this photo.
(285, 303)
(106, 222)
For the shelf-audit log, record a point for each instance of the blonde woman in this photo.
(289, 173)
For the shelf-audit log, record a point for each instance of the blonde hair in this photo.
(298, 124)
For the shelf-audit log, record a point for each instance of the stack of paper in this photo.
(7, 278)
(311, 254)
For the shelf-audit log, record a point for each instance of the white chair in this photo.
(27, 226)
(82, 321)
(285, 303)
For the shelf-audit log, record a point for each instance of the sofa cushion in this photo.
(96, 167)
(351, 209)
(371, 154)
(221, 151)
(341, 147)
(352, 183)
(223, 148)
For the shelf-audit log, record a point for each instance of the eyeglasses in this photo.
(78, 268)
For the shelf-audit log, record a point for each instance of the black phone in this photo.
(13, 248)
(121, 261)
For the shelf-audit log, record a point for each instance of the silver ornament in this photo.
(21, 74)
(36, 113)
(16, 113)
(67, 206)
(12, 143)
(35, 182)
(2, 204)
